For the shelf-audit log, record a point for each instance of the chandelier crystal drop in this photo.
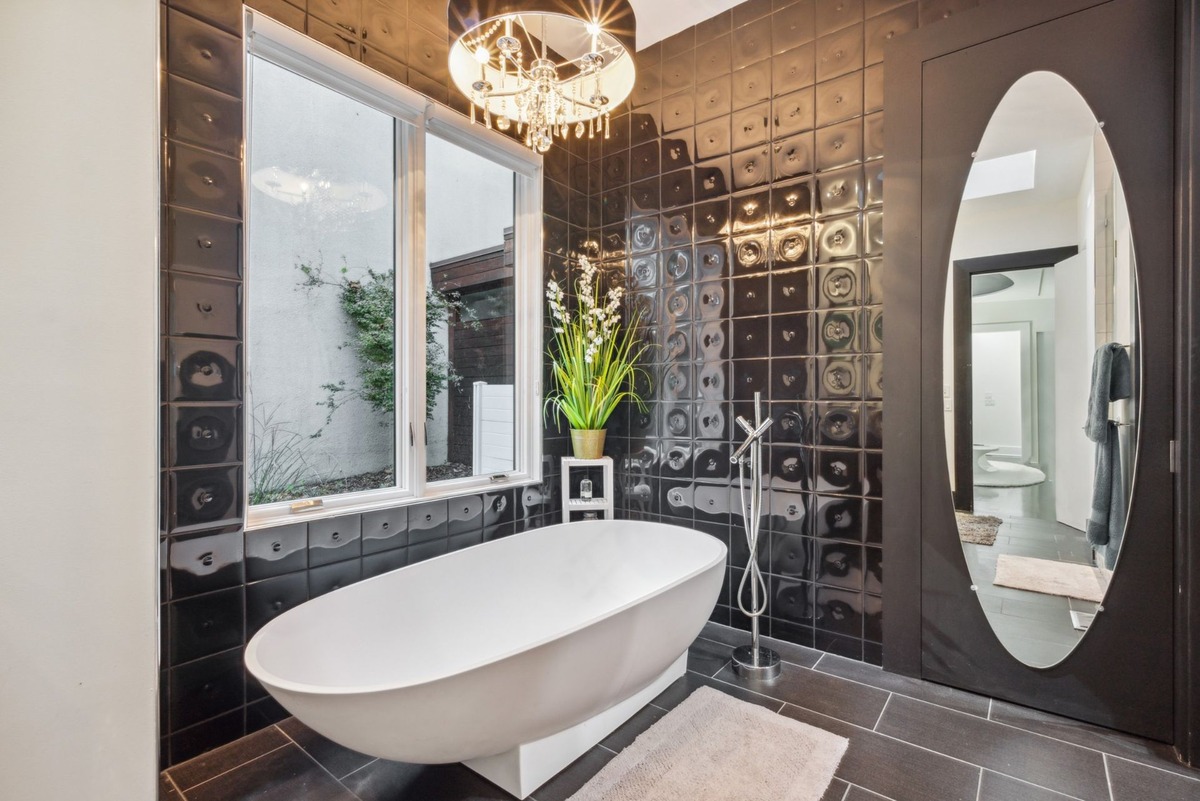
(542, 75)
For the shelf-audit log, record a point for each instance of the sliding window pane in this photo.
(470, 314)
(321, 275)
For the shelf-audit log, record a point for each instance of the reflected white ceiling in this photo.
(658, 19)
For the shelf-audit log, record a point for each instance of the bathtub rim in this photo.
(271, 681)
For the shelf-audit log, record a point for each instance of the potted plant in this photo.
(593, 358)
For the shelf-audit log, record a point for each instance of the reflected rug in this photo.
(977, 529)
(1049, 577)
(713, 747)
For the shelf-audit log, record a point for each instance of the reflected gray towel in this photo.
(1106, 523)
(1112, 379)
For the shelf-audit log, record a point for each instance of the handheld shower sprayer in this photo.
(753, 661)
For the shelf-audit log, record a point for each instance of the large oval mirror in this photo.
(1042, 368)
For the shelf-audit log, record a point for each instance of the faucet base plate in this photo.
(760, 664)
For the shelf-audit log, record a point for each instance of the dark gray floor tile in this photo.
(1005, 788)
(820, 692)
(285, 774)
(1128, 746)
(399, 781)
(859, 794)
(707, 657)
(788, 651)
(573, 776)
(836, 791)
(1043, 761)
(914, 688)
(227, 757)
(337, 759)
(628, 731)
(1134, 782)
(892, 768)
(685, 685)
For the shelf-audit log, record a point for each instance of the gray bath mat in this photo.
(977, 529)
(1050, 577)
(713, 747)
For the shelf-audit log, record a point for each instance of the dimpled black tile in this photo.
(201, 116)
(202, 435)
(206, 688)
(839, 518)
(384, 562)
(204, 54)
(202, 370)
(205, 498)
(840, 52)
(328, 578)
(384, 530)
(272, 597)
(465, 514)
(194, 740)
(205, 562)
(714, 98)
(204, 625)
(751, 84)
(276, 551)
(201, 243)
(204, 307)
(334, 539)
(427, 521)
(204, 181)
(793, 25)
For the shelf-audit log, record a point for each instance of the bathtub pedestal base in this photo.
(530, 765)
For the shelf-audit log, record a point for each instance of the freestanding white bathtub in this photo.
(514, 656)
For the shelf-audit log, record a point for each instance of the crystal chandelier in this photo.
(551, 69)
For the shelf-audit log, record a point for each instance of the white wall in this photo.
(1074, 343)
(997, 393)
(78, 402)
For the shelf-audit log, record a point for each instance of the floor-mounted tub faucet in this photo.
(752, 661)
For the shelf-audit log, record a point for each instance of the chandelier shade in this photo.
(546, 68)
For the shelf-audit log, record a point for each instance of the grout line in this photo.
(1108, 778)
(931, 751)
(606, 748)
(979, 791)
(171, 781)
(991, 701)
(1190, 776)
(356, 770)
(879, 719)
(724, 665)
(846, 793)
(236, 767)
(1022, 729)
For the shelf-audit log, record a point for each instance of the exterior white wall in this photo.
(78, 408)
(295, 335)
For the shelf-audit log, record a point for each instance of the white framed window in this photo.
(392, 291)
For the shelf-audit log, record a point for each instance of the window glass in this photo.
(470, 314)
(321, 279)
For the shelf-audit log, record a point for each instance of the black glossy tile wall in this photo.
(751, 183)
(220, 583)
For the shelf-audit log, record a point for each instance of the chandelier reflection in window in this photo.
(553, 69)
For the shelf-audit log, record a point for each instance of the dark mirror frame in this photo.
(961, 310)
